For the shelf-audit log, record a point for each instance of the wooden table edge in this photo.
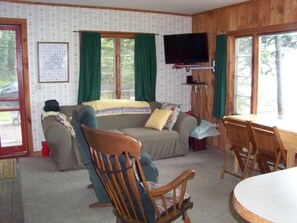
(245, 213)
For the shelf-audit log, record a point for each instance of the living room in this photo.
(251, 15)
(46, 23)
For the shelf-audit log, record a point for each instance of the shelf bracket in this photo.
(195, 67)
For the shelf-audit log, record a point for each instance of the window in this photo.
(265, 74)
(117, 67)
(243, 75)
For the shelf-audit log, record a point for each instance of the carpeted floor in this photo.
(11, 206)
(52, 196)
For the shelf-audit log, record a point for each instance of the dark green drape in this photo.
(90, 67)
(145, 67)
(219, 100)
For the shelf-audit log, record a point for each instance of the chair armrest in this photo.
(174, 191)
(178, 181)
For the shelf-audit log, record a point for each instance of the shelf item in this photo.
(190, 67)
(196, 87)
(197, 83)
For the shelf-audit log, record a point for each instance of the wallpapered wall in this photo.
(56, 24)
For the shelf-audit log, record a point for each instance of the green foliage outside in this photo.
(5, 117)
(7, 58)
(108, 66)
(272, 50)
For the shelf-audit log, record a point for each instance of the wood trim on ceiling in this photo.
(113, 33)
(264, 30)
(93, 7)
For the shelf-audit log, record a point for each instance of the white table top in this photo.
(271, 196)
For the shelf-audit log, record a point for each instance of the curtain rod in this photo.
(110, 32)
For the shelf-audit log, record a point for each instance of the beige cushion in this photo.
(158, 119)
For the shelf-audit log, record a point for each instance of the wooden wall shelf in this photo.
(190, 67)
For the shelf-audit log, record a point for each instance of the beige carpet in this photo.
(53, 196)
(7, 168)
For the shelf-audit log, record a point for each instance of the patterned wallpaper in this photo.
(56, 24)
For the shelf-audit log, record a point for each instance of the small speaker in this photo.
(189, 79)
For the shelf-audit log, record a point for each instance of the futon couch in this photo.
(159, 144)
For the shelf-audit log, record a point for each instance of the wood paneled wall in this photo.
(248, 15)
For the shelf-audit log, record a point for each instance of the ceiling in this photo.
(188, 7)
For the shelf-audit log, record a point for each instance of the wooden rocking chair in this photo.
(117, 161)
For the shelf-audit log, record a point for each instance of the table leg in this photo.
(235, 165)
(290, 159)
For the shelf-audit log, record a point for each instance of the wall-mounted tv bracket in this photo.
(190, 67)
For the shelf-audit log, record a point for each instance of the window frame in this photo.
(117, 36)
(255, 33)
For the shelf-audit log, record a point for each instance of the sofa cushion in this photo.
(114, 131)
(158, 119)
(159, 144)
(122, 121)
(125, 120)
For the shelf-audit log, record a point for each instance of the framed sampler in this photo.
(53, 62)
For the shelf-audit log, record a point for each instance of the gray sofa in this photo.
(159, 144)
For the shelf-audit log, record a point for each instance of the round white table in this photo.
(269, 197)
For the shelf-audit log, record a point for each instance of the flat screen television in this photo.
(188, 48)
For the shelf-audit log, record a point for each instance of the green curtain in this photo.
(90, 67)
(145, 67)
(219, 101)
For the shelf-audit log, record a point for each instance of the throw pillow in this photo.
(158, 119)
(173, 117)
(62, 118)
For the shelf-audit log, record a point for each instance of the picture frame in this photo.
(53, 62)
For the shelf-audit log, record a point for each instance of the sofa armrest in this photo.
(184, 125)
(59, 141)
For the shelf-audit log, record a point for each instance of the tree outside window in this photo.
(276, 75)
(117, 68)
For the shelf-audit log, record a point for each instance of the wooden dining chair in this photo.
(270, 151)
(117, 161)
(240, 145)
